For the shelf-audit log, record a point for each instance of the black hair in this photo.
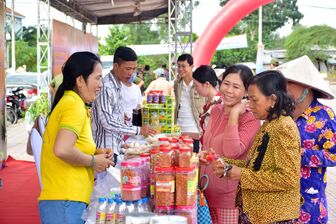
(244, 72)
(78, 64)
(204, 74)
(186, 57)
(147, 67)
(273, 82)
(123, 54)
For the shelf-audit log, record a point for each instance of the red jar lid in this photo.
(129, 187)
(165, 169)
(173, 140)
(182, 207)
(163, 139)
(144, 154)
(185, 169)
(131, 162)
(185, 148)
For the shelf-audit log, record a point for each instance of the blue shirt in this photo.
(317, 128)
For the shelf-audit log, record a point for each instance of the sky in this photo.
(316, 12)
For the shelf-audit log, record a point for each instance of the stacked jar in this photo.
(164, 186)
(131, 179)
(145, 182)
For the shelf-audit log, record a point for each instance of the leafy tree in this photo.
(275, 15)
(310, 41)
(24, 55)
(137, 33)
(29, 35)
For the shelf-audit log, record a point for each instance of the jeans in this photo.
(58, 211)
(196, 145)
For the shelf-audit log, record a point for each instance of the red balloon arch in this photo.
(220, 25)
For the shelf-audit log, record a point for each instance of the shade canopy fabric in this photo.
(111, 11)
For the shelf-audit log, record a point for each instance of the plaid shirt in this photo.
(108, 121)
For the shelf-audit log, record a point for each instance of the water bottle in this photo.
(101, 211)
(145, 205)
(129, 207)
(110, 217)
(119, 211)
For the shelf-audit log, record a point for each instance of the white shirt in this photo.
(185, 116)
(131, 96)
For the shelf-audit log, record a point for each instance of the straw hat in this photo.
(303, 71)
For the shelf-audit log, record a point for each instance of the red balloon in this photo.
(220, 25)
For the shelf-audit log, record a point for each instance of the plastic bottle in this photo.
(101, 211)
(110, 217)
(119, 211)
(129, 207)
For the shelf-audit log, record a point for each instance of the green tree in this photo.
(311, 41)
(275, 15)
(24, 55)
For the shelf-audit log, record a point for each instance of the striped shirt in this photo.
(108, 121)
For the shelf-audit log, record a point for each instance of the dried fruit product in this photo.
(184, 157)
(166, 157)
(186, 186)
(164, 186)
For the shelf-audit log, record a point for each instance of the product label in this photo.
(119, 219)
(191, 187)
(109, 218)
(152, 189)
(165, 186)
(100, 217)
(132, 180)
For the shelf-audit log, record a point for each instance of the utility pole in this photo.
(13, 37)
(260, 52)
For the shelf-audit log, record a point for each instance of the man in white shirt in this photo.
(189, 103)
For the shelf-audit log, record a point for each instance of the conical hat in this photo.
(303, 71)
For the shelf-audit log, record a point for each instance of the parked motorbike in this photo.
(15, 105)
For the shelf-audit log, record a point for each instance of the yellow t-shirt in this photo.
(61, 180)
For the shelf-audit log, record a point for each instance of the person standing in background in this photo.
(189, 103)
(108, 113)
(132, 98)
(161, 84)
(317, 126)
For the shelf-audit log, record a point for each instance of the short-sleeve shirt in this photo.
(61, 180)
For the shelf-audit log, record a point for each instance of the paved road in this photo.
(17, 139)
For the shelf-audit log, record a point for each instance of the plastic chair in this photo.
(36, 144)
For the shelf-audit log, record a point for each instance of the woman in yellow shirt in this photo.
(69, 154)
(270, 177)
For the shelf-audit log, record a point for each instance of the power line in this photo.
(315, 6)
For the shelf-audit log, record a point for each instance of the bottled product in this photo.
(101, 211)
(129, 207)
(131, 179)
(166, 156)
(119, 211)
(110, 211)
(184, 157)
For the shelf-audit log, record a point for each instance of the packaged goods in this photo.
(110, 211)
(101, 211)
(186, 186)
(145, 191)
(131, 172)
(190, 212)
(149, 97)
(165, 157)
(130, 193)
(119, 211)
(184, 157)
(164, 186)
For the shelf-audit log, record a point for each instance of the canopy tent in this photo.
(111, 11)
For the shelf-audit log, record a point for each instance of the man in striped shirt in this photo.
(108, 117)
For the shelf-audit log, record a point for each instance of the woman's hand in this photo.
(102, 162)
(240, 108)
(207, 156)
(222, 169)
(106, 151)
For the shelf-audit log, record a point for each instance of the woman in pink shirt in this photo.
(230, 133)
(206, 83)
